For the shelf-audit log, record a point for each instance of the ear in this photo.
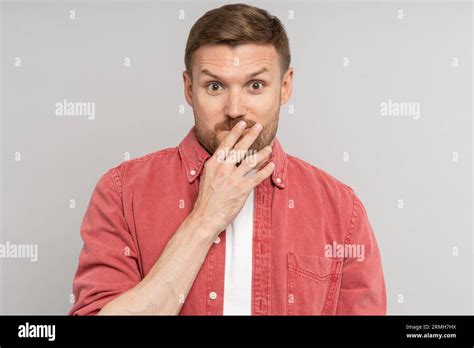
(286, 86)
(188, 88)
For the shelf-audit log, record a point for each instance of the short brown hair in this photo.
(237, 24)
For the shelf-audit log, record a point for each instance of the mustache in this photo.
(229, 124)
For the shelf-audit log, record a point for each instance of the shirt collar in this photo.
(194, 155)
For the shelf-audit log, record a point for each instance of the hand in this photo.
(224, 188)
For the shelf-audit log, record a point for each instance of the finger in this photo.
(249, 138)
(240, 150)
(253, 161)
(229, 141)
(261, 175)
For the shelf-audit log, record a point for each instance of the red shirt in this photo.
(306, 223)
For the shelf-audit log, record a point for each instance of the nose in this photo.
(235, 106)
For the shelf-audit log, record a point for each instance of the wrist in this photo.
(202, 226)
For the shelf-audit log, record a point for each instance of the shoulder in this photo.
(337, 198)
(317, 179)
(137, 169)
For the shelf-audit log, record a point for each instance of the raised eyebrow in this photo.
(261, 71)
(256, 73)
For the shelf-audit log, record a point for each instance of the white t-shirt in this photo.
(238, 261)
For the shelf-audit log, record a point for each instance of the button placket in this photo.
(261, 279)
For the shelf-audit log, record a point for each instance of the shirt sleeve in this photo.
(362, 286)
(108, 262)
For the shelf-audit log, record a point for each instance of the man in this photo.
(227, 222)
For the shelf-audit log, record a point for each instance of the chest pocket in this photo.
(313, 284)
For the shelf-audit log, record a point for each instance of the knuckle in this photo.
(221, 171)
(220, 155)
(252, 160)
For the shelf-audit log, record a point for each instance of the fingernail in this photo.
(242, 124)
(258, 126)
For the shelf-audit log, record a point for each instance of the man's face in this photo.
(230, 84)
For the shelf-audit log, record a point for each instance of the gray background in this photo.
(336, 110)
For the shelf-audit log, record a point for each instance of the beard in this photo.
(210, 141)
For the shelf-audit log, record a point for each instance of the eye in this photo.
(213, 87)
(256, 85)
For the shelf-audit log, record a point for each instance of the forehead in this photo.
(228, 59)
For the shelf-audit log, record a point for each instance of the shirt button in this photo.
(217, 240)
(278, 180)
(212, 295)
(192, 172)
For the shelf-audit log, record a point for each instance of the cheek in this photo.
(206, 106)
(265, 105)
(208, 102)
